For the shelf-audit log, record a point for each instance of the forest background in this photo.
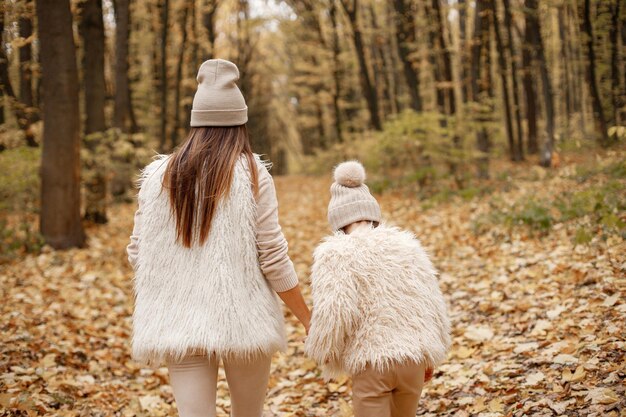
(418, 90)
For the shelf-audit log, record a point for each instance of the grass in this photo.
(599, 208)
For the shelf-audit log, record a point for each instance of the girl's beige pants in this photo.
(394, 392)
(194, 382)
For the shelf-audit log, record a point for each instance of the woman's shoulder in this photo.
(158, 164)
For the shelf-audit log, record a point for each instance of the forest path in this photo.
(538, 322)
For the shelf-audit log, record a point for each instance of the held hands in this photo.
(307, 323)
(428, 375)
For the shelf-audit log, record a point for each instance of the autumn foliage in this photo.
(537, 312)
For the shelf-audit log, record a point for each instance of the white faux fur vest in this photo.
(376, 300)
(211, 298)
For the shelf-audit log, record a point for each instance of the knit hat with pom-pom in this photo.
(350, 199)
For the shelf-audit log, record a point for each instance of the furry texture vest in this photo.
(211, 298)
(376, 300)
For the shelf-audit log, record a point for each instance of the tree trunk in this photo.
(92, 31)
(528, 51)
(208, 19)
(336, 71)
(369, 90)
(463, 52)
(6, 87)
(405, 35)
(60, 221)
(615, 75)
(165, 6)
(382, 67)
(586, 30)
(179, 74)
(26, 73)
(4, 72)
(508, 22)
(576, 63)
(622, 71)
(124, 117)
(449, 107)
(193, 66)
(548, 144)
(479, 85)
(443, 75)
(505, 84)
(434, 58)
(565, 75)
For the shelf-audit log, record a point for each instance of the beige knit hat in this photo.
(218, 101)
(350, 199)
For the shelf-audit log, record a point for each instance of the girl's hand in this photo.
(428, 375)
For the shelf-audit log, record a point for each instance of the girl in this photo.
(378, 313)
(209, 255)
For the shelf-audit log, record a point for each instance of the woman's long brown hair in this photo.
(199, 174)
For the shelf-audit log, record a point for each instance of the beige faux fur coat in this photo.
(376, 301)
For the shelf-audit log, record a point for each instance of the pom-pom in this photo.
(350, 174)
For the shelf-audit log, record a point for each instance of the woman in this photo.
(209, 256)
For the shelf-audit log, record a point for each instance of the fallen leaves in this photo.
(602, 396)
(538, 322)
(478, 333)
(577, 376)
(534, 378)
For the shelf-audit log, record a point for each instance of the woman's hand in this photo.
(428, 375)
(293, 299)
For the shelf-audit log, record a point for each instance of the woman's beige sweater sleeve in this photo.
(272, 245)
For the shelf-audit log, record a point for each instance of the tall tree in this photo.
(351, 8)
(463, 52)
(480, 82)
(406, 41)
(528, 53)
(442, 62)
(179, 73)
(576, 63)
(124, 116)
(586, 29)
(504, 79)
(508, 22)
(26, 74)
(312, 83)
(615, 73)
(208, 19)
(566, 70)
(383, 71)
(622, 67)
(92, 32)
(336, 70)
(4, 69)
(165, 13)
(60, 221)
(545, 158)
(194, 62)
(446, 99)
(23, 119)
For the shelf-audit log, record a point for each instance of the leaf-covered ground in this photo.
(538, 320)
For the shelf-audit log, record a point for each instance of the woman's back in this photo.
(210, 297)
